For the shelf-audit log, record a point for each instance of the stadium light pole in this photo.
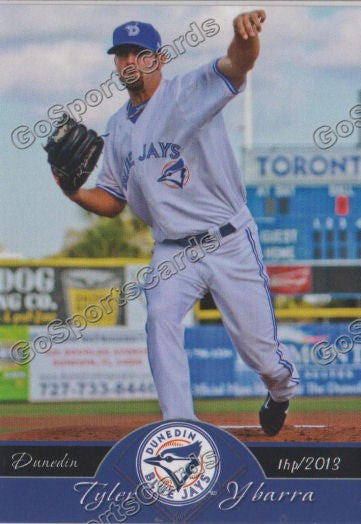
(359, 129)
(246, 127)
(247, 115)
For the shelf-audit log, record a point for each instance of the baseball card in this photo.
(180, 246)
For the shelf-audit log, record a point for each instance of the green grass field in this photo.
(9, 411)
(300, 404)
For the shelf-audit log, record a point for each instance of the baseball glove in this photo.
(73, 151)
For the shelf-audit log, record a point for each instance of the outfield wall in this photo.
(111, 363)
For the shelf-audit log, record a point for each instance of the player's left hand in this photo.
(73, 151)
(249, 24)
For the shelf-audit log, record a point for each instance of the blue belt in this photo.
(223, 231)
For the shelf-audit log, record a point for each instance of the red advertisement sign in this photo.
(289, 279)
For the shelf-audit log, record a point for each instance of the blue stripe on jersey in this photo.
(279, 353)
(120, 196)
(134, 112)
(226, 80)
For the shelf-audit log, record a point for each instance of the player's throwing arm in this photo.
(244, 48)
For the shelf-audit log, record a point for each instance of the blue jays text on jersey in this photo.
(151, 150)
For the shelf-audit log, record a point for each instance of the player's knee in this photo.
(162, 312)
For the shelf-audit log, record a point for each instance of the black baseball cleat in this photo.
(272, 415)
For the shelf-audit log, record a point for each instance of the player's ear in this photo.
(162, 58)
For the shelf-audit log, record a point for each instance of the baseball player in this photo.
(168, 157)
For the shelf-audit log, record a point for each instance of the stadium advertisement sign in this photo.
(39, 294)
(289, 280)
(217, 371)
(14, 379)
(99, 364)
(112, 363)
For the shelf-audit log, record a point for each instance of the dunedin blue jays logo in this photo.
(175, 174)
(171, 460)
(132, 29)
(179, 462)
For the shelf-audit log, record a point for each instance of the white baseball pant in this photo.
(235, 275)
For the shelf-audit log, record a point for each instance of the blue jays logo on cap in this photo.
(175, 174)
(132, 29)
(137, 33)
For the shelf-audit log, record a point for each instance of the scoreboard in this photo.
(306, 202)
(307, 206)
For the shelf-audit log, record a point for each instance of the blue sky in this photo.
(307, 75)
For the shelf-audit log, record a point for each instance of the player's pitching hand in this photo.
(249, 24)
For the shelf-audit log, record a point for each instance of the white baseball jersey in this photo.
(175, 166)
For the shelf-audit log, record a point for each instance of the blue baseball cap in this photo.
(137, 33)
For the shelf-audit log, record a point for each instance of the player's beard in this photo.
(136, 86)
